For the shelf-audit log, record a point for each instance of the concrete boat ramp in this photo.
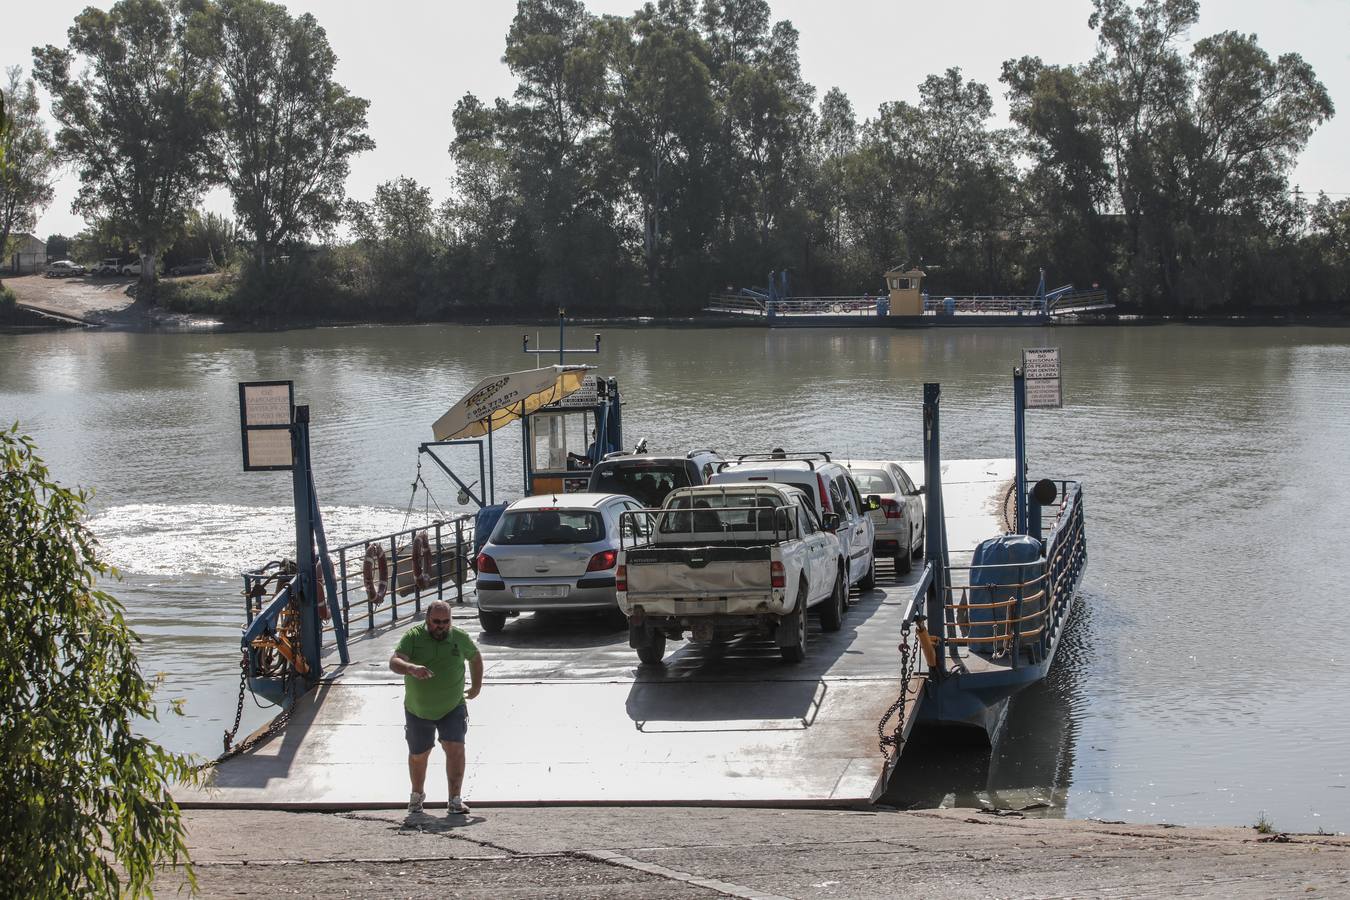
(567, 715)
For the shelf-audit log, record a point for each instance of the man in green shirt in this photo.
(431, 660)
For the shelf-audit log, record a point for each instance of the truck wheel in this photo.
(654, 650)
(795, 652)
(869, 581)
(832, 610)
(492, 622)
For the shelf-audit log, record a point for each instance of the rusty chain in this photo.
(290, 679)
(890, 745)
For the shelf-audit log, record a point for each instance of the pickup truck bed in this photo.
(743, 562)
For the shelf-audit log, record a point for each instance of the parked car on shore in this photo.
(899, 522)
(110, 266)
(551, 551)
(63, 268)
(193, 267)
(132, 268)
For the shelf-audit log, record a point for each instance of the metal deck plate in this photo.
(568, 716)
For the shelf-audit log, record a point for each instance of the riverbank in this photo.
(112, 304)
(639, 852)
(106, 303)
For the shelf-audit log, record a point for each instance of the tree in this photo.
(26, 160)
(58, 246)
(1069, 186)
(289, 129)
(661, 118)
(838, 138)
(1201, 145)
(397, 230)
(137, 121)
(83, 795)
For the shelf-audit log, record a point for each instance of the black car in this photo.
(648, 477)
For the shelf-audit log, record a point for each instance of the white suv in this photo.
(832, 493)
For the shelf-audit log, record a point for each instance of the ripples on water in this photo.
(1198, 683)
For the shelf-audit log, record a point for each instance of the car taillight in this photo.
(621, 579)
(891, 508)
(776, 576)
(605, 559)
(487, 565)
(824, 496)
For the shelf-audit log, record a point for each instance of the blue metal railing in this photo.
(452, 551)
(1035, 608)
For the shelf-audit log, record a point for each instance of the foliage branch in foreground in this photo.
(84, 803)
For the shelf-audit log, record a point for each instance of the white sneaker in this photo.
(415, 800)
(457, 807)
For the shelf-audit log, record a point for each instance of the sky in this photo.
(413, 59)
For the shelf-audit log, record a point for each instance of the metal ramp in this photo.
(568, 717)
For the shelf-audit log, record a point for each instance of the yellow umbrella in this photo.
(501, 399)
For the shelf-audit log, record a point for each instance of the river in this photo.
(1201, 680)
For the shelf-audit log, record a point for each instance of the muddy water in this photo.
(1201, 681)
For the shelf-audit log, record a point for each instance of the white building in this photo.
(28, 254)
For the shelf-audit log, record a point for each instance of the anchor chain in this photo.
(890, 745)
(270, 662)
(239, 707)
(273, 728)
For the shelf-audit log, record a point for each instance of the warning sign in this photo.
(1040, 367)
(266, 410)
(584, 397)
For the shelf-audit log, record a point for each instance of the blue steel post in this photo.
(935, 541)
(492, 471)
(562, 318)
(1020, 442)
(310, 631)
(326, 567)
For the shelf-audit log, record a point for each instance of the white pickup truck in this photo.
(723, 560)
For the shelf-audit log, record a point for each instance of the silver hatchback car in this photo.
(553, 551)
(899, 521)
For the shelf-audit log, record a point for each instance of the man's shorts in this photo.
(421, 733)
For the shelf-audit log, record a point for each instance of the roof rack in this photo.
(809, 457)
(783, 454)
(690, 454)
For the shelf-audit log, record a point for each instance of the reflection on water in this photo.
(1194, 686)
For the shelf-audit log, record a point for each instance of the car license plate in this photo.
(700, 606)
(539, 591)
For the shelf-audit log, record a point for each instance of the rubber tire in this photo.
(869, 581)
(797, 652)
(832, 610)
(904, 564)
(492, 622)
(652, 652)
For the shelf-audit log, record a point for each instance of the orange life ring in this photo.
(421, 560)
(375, 563)
(324, 613)
(320, 605)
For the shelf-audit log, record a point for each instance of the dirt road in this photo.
(101, 301)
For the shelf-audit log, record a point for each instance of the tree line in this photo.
(644, 161)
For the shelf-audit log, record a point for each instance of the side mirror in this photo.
(873, 501)
(921, 489)
(829, 521)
